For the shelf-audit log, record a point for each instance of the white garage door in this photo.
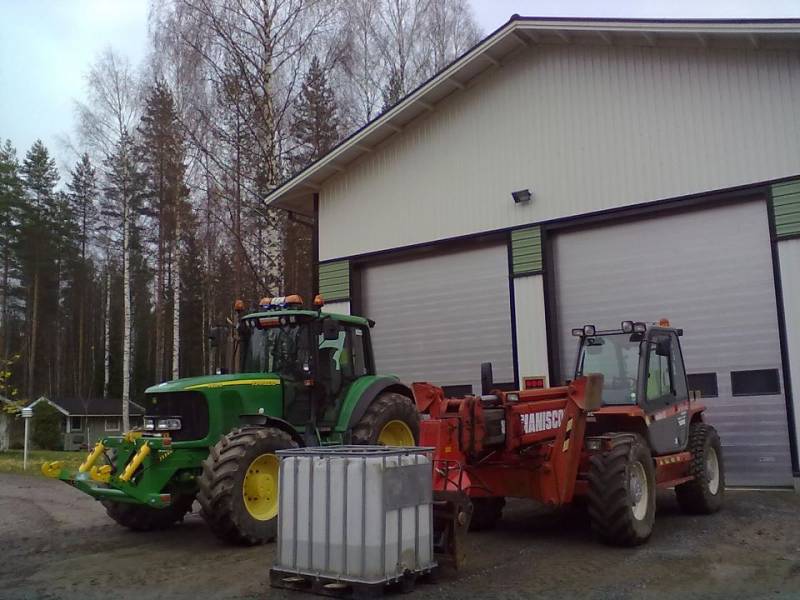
(710, 273)
(439, 316)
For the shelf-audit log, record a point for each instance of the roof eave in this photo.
(296, 194)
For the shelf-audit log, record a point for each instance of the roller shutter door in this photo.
(710, 272)
(440, 315)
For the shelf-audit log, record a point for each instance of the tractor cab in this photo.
(317, 356)
(642, 367)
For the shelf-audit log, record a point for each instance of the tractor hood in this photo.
(210, 382)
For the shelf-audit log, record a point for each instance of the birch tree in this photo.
(124, 192)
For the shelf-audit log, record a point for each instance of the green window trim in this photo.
(526, 251)
(334, 280)
(786, 208)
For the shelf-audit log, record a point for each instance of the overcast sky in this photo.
(47, 45)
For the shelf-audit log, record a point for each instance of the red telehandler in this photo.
(623, 427)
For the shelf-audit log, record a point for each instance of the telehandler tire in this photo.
(486, 512)
(139, 517)
(238, 489)
(622, 492)
(704, 494)
(391, 420)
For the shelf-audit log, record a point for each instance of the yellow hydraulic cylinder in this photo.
(131, 467)
(93, 456)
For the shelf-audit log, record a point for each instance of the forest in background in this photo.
(112, 274)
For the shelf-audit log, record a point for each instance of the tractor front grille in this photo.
(191, 407)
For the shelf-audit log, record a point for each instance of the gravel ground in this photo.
(58, 543)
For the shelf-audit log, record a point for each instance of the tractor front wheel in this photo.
(703, 495)
(622, 492)
(238, 490)
(391, 420)
(139, 517)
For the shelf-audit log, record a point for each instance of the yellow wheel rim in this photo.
(260, 488)
(396, 433)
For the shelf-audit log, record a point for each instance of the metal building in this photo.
(662, 161)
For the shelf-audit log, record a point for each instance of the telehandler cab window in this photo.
(666, 379)
(616, 357)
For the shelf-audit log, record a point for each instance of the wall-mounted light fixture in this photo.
(521, 196)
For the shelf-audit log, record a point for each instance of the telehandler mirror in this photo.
(487, 379)
(330, 330)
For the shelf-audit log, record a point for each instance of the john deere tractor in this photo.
(303, 378)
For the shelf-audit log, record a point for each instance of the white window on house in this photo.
(74, 423)
(112, 423)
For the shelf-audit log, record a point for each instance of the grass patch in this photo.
(11, 461)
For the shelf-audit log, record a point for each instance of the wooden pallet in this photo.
(343, 588)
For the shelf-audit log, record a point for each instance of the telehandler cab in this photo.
(304, 377)
(623, 427)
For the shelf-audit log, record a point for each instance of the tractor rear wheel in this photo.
(486, 512)
(238, 490)
(703, 495)
(391, 420)
(140, 517)
(622, 492)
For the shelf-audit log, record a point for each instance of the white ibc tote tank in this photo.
(355, 513)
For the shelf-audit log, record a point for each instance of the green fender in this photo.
(362, 393)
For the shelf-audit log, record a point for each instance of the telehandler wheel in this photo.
(486, 512)
(391, 420)
(622, 492)
(238, 490)
(703, 495)
(139, 517)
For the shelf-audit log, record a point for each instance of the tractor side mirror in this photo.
(330, 330)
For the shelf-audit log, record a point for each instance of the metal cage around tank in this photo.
(358, 514)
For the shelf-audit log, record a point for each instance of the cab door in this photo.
(665, 398)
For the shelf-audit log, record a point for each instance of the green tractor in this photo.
(303, 377)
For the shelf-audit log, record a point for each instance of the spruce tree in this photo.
(10, 205)
(83, 203)
(162, 152)
(83, 199)
(316, 117)
(37, 249)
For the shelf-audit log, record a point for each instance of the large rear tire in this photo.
(139, 517)
(704, 494)
(391, 420)
(238, 490)
(486, 512)
(622, 492)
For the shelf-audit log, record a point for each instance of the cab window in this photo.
(347, 352)
(666, 379)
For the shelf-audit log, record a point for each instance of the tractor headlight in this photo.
(627, 326)
(149, 424)
(168, 424)
(639, 327)
(589, 330)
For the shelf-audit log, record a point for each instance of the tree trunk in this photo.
(159, 305)
(107, 335)
(127, 326)
(34, 333)
(176, 300)
(5, 346)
